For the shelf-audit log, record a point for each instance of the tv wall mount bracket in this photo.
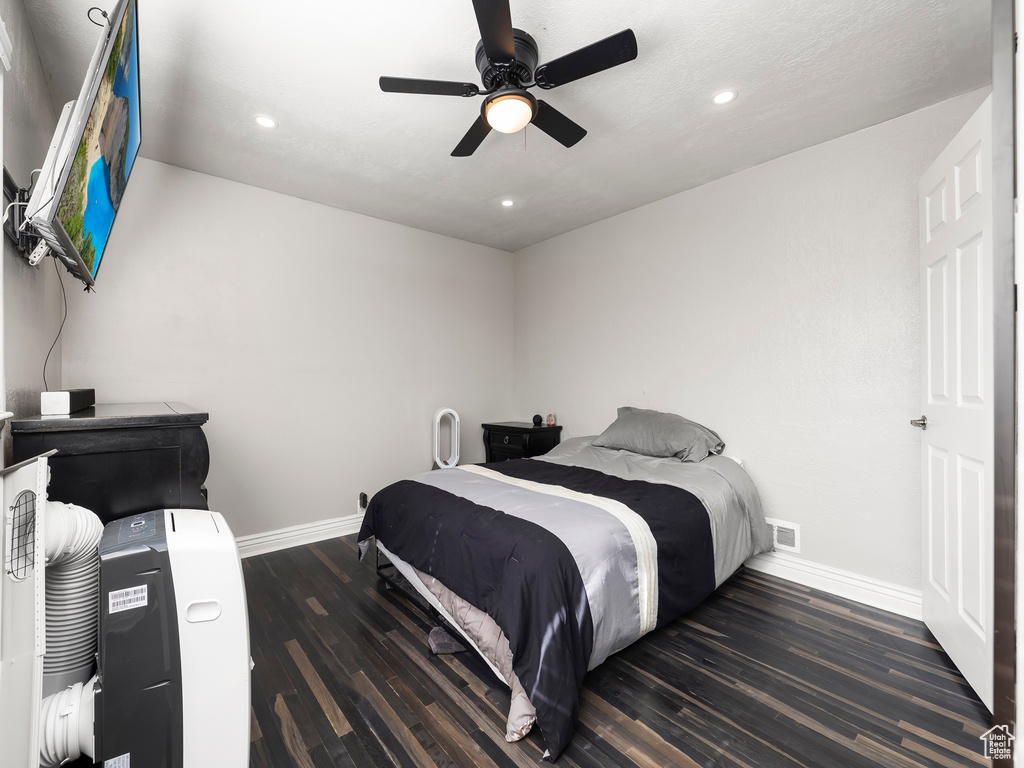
(24, 242)
(33, 248)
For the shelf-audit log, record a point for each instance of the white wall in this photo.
(31, 297)
(320, 341)
(778, 306)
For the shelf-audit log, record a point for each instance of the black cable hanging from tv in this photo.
(56, 338)
(106, 18)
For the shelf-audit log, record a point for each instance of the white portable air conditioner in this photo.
(165, 621)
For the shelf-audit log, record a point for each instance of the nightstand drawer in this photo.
(505, 441)
(496, 454)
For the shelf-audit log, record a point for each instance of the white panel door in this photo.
(957, 442)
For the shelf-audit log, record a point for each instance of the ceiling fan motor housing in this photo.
(521, 69)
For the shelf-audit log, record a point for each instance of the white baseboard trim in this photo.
(853, 586)
(297, 535)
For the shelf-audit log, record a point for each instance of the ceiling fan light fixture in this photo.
(509, 111)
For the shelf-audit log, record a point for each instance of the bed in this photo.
(547, 566)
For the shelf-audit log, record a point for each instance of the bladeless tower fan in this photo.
(126, 645)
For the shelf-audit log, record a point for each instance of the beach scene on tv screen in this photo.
(107, 151)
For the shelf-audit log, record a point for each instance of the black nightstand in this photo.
(518, 440)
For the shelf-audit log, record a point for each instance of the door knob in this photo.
(922, 422)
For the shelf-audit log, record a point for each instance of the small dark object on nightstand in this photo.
(537, 419)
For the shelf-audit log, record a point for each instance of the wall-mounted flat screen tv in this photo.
(92, 153)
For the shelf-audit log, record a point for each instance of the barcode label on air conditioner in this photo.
(121, 761)
(126, 599)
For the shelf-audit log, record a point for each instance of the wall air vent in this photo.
(785, 536)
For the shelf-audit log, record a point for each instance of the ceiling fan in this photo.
(507, 60)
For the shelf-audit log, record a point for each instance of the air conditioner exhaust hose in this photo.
(72, 536)
(66, 725)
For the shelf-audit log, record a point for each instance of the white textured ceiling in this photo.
(806, 70)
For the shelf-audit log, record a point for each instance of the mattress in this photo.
(573, 555)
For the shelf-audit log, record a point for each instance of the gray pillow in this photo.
(653, 433)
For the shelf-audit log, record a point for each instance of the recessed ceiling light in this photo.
(507, 203)
(724, 97)
(266, 122)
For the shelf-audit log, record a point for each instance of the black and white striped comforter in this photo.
(574, 557)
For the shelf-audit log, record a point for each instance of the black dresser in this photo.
(518, 440)
(121, 459)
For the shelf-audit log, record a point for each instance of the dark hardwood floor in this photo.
(765, 673)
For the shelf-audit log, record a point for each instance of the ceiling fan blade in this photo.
(557, 126)
(596, 57)
(473, 138)
(494, 17)
(431, 87)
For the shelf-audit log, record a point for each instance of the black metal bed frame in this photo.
(391, 582)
